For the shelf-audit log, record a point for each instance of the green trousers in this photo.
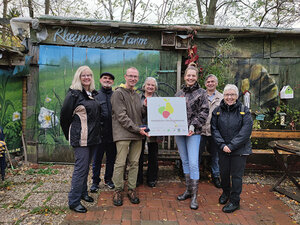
(130, 150)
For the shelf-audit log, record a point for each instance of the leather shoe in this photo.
(223, 199)
(230, 207)
(79, 208)
(87, 198)
(118, 198)
(217, 182)
(133, 197)
(151, 183)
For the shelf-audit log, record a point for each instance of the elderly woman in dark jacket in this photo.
(231, 127)
(149, 89)
(188, 146)
(80, 122)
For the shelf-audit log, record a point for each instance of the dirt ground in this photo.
(37, 194)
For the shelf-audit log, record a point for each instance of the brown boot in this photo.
(133, 196)
(118, 198)
(187, 193)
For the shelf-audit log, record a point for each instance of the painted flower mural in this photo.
(16, 116)
(47, 118)
(47, 99)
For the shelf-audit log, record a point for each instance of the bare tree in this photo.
(163, 10)
(31, 14)
(47, 7)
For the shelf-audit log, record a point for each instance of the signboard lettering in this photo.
(77, 37)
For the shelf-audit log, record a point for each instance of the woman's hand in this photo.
(226, 149)
(145, 102)
(190, 133)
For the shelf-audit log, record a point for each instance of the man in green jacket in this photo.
(127, 111)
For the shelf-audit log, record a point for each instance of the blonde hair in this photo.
(76, 83)
(192, 66)
(150, 78)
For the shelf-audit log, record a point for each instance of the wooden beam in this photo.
(275, 134)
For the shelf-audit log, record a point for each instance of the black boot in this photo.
(194, 187)
(187, 193)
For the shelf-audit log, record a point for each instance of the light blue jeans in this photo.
(188, 148)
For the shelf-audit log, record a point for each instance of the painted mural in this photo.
(57, 65)
(11, 107)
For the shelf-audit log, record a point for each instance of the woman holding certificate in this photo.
(188, 146)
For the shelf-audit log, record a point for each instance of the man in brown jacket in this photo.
(127, 111)
(214, 98)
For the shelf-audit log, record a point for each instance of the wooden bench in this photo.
(168, 150)
(273, 134)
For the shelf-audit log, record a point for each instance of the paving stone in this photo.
(54, 187)
(35, 200)
(58, 200)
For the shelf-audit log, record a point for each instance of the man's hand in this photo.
(142, 131)
(226, 149)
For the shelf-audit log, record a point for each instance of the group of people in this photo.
(115, 123)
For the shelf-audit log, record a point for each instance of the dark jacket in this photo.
(103, 98)
(196, 105)
(80, 118)
(145, 119)
(232, 127)
(126, 114)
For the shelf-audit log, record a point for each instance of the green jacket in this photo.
(127, 111)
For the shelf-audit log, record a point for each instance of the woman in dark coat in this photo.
(80, 122)
(231, 127)
(149, 89)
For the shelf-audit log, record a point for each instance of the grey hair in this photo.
(231, 87)
(150, 78)
(211, 75)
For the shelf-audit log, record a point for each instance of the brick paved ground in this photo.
(159, 206)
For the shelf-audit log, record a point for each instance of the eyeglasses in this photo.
(86, 75)
(132, 76)
(229, 95)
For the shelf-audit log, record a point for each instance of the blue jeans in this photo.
(188, 148)
(212, 148)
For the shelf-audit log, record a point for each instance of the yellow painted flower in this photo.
(47, 118)
(47, 99)
(16, 116)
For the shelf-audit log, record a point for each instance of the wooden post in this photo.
(9, 159)
(24, 114)
(179, 61)
(24, 103)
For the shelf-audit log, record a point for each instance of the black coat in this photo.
(232, 127)
(80, 118)
(103, 98)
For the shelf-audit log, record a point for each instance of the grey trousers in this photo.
(83, 158)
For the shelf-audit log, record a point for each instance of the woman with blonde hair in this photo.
(188, 146)
(80, 122)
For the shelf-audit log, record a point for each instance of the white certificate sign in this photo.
(167, 116)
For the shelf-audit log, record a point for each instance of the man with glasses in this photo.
(127, 111)
(214, 98)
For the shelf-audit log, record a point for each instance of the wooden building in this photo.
(266, 59)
